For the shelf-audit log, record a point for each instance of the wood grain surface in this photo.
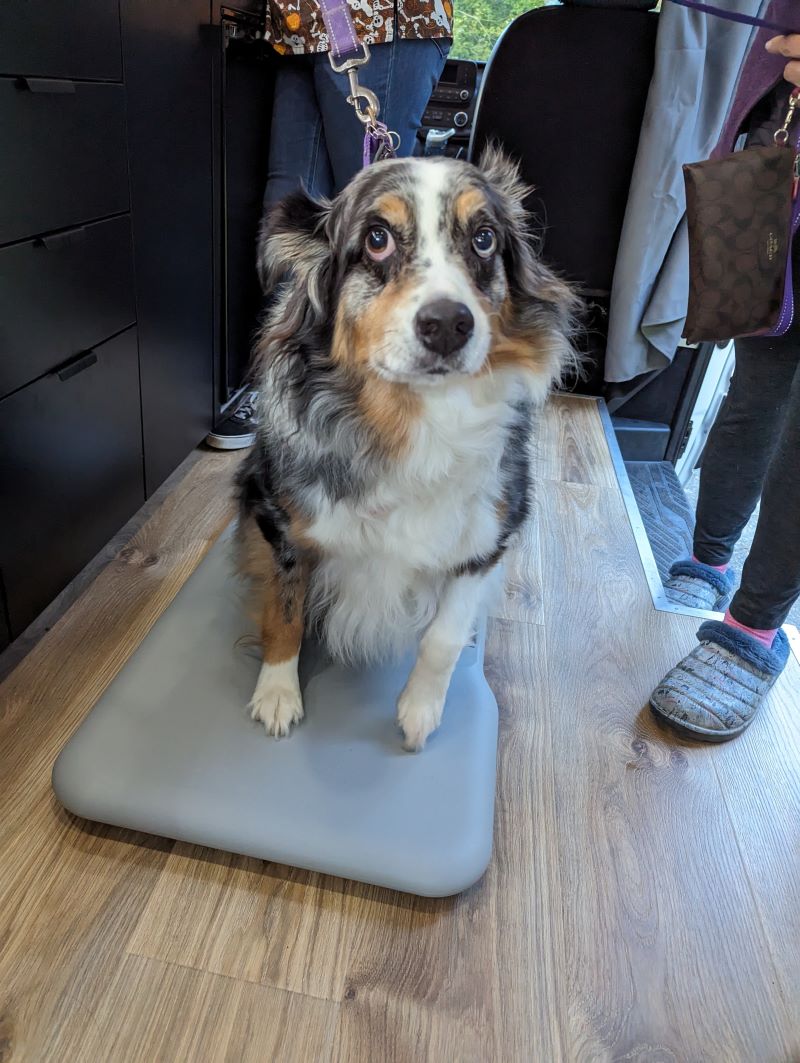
(642, 899)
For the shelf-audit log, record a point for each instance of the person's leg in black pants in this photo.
(753, 452)
(771, 576)
(742, 443)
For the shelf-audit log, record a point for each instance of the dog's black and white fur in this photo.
(399, 371)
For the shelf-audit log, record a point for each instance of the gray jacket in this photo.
(698, 59)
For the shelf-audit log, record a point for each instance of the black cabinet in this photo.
(134, 141)
(71, 473)
(247, 85)
(63, 160)
(60, 39)
(168, 57)
(70, 402)
(60, 294)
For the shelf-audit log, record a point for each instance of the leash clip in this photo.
(363, 100)
(354, 61)
(367, 113)
(782, 135)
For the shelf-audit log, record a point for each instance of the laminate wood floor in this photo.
(642, 903)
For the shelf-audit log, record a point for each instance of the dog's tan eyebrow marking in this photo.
(395, 210)
(467, 204)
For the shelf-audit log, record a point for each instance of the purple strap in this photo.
(377, 144)
(736, 16)
(342, 36)
(370, 147)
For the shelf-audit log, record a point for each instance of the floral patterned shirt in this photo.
(296, 26)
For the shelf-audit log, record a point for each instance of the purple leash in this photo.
(736, 16)
(346, 54)
(342, 37)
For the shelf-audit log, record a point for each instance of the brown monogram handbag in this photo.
(742, 212)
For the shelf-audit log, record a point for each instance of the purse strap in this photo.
(737, 16)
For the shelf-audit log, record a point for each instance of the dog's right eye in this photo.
(379, 243)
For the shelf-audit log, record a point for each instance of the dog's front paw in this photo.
(277, 702)
(277, 708)
(419, 712)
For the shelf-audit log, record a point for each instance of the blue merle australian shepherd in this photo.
(414, 337)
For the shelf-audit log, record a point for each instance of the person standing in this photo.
(753, 452)
(315, 137)
(316, 140)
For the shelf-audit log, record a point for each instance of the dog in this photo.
(414, 334)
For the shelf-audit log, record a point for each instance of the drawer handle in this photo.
(60, 240)
(50, 86)
(82, 362)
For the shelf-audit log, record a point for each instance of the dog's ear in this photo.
(527, 275)
(293, 245)
(539, 303)
(502, 173)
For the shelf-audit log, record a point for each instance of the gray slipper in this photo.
(699, 586)
(715, 692)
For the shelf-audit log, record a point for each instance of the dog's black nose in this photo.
(444, 325)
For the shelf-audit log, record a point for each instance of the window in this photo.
(478, 24)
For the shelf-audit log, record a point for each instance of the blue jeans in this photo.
(316, 139)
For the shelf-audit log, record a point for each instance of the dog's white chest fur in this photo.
(386, 556)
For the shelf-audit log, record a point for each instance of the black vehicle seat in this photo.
(564, 92)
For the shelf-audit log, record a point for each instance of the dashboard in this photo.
(447, 121)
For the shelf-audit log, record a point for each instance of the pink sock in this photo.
(719, 568)
(764, 635)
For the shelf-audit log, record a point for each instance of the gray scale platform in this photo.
(170, 749)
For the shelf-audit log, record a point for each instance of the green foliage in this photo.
(478, 24)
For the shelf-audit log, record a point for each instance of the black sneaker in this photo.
(239, 429)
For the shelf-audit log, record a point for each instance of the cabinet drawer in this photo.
(61, 38)
(62, 294)
(63, 160)
(71, 472)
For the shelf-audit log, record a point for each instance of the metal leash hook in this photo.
(379, 142)
(367, 115)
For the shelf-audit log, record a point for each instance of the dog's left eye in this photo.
(379, 243)
(485, 241)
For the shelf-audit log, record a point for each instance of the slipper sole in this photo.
(699, 733)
